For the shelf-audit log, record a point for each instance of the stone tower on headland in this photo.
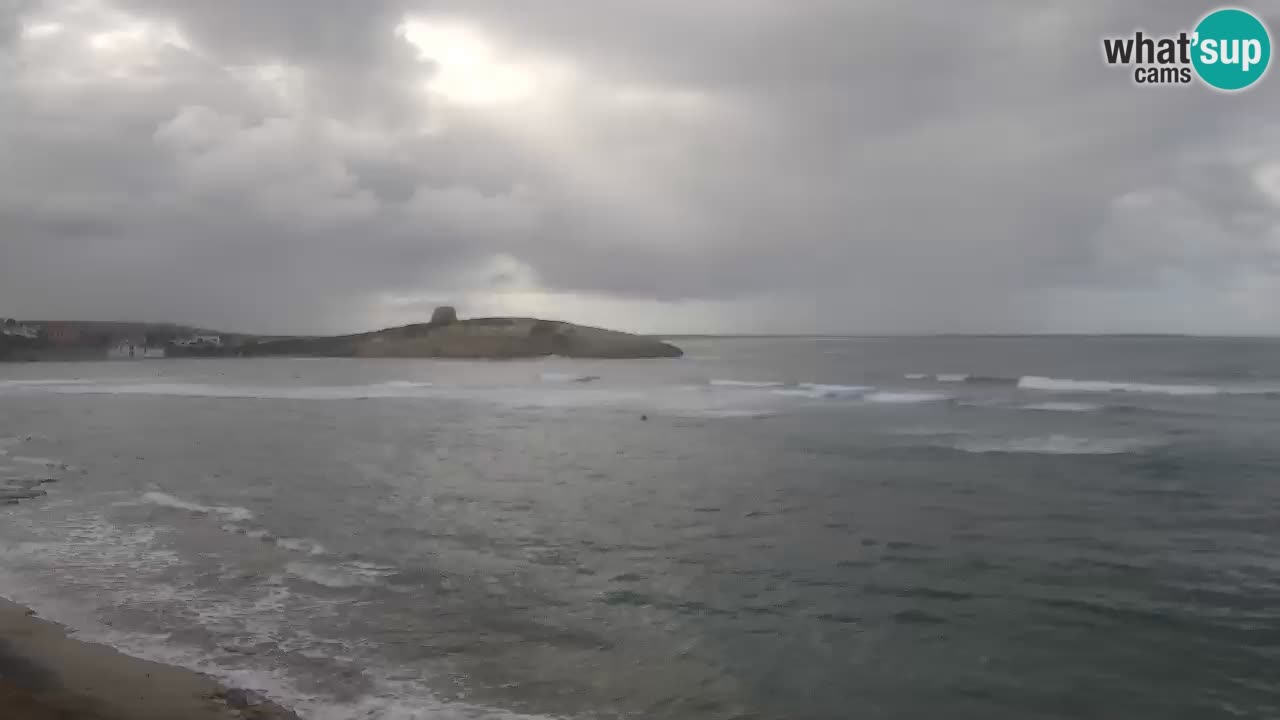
(444, 315)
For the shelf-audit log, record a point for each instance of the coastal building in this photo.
(62, 334)
(13, 328)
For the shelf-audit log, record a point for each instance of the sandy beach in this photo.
(45, 675)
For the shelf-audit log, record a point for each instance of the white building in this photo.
(23, 330)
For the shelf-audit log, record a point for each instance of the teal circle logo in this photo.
(1231, 49)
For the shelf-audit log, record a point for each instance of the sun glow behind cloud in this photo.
(469, 69)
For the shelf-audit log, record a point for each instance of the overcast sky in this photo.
(887, 166)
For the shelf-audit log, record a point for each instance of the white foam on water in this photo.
(905, 398)
(368, 569)
(249, 532)
(13, 441)
(823, 391)
(737, 413)
(109, 567)
(329, 576)
(401, 700)
(717, 382)
(1057, 445)
(302, 545)
(1033, 382)
(940, 377)
(926, 431)
(393, 389)
(565, 377)
(389, 699)
(231, 513)
(45, 462)
(1062, 407)
(39, 382)
(365, 565)
(305, 546)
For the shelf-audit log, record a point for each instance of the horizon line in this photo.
(746, 335)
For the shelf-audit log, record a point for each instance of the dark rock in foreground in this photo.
(494, 338)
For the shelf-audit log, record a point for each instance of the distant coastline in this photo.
(444, 336)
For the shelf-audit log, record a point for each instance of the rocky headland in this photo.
(445, 336)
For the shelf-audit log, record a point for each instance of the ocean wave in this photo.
(717, 382)
(39, 382)
(332, 576)
(1034, 382)
(905, 398)
(734, 413)
(563, 377)
(231, 513)
(1056, 445)
(251, 532)
(1062, 407)
(969, 378)
(267, 614)
(393, 389)
(302, 545)
(48, 463)
(819, 391)
(15, 440)
(305, 546)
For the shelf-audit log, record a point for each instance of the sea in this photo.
(790, 528)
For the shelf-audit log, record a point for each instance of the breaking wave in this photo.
(1033, 382)
(905, 398)
(562, 377)
(963, 378)
(1057, 445)
(393, 389)
(716, 382)
(734, 413)
(828, 391)
(331, 576)
(302, 545)
(818, 391)
(231, 513)
(1062, 407)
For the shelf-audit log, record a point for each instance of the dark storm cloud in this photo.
(744, 164)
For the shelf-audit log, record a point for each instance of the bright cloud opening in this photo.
(469, 69)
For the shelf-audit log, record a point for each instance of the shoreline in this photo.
(47, 675)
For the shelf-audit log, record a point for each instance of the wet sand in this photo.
(45, 675)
